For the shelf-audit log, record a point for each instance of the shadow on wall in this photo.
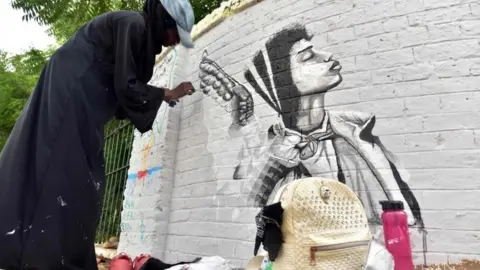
(186, 182)
(292, 77)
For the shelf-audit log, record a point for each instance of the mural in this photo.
(293, 77)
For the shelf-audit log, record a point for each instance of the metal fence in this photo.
(118, 146)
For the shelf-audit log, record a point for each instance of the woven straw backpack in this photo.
(324, 228)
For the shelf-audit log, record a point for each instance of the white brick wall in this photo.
(146, 208)
(415, 64)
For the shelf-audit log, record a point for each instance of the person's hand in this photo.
(183, 89)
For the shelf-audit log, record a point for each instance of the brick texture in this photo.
(414, 64)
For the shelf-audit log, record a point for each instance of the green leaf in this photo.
(64, 17)
(18, 76)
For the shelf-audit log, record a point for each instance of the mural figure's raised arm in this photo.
(236, 99)
(273, 172)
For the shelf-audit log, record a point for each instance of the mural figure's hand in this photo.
(213, 80)
(242, 106)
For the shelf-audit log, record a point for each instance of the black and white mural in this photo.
(293, 77)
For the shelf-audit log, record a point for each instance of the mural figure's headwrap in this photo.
(272, 65)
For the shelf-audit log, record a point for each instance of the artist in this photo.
(52, 167)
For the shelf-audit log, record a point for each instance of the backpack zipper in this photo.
(316, 249)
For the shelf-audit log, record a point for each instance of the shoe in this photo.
(140, 260)
(121, 262)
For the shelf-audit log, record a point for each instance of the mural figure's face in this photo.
(313, 71)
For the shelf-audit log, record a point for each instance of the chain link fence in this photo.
(118, 146)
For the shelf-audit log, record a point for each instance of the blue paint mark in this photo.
(154, 169)
(142, 174)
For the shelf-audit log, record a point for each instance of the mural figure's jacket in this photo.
(362, 161)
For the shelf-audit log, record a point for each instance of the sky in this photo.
(16, 35)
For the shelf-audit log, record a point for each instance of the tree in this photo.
(64, 17)
(80, 12)
(18, 75)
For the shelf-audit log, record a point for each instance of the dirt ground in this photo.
(103, 266)
(106, 251)
(464, 265)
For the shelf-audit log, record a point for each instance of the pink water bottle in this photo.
(397, 238)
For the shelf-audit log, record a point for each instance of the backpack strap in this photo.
(378, 257)
(280, 192)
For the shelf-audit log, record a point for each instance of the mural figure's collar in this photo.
(306, 145)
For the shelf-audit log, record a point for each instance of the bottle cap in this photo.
(392, 205)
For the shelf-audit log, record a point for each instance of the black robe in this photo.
(52, 176)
